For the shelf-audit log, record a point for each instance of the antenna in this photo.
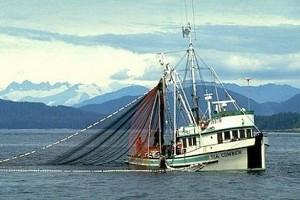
(248, 79)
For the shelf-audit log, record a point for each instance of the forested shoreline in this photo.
(287, 121)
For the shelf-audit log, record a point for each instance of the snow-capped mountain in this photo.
(133, 90)
(51, 94)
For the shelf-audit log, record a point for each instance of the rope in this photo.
(75, 134)
(81, 171)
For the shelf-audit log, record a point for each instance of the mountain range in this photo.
(51, 94)
(265, 93)
(266, 108)
(26, 114)
(78, 95)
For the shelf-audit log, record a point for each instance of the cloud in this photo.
(272, 39)
(114, 44)
(151, 73)
(130, 16)
(232, 66)
(238, 63)
(28, 54)
(121, 75)
(24, 59)
(71, 17)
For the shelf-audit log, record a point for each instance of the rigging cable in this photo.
(186, 15)
(222, 85)
(194, 21)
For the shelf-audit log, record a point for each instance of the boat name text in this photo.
(225, 154)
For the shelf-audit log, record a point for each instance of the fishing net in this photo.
(133, 131)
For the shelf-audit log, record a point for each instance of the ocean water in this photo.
(281, 180)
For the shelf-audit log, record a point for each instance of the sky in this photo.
(115, 43)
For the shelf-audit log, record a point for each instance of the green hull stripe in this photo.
(188, 160)
(172, 161)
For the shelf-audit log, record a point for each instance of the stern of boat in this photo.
(256, 154)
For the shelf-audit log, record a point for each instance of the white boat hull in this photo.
(248, 155)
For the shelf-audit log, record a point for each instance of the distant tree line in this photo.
(280, 121)
(25, 115)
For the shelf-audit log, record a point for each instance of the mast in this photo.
(187, 33)
(248, 79)
(175, 117)
(161, 115)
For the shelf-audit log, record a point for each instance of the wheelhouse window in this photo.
(184, 143)
(190, 141)
(220, 139)
(194, 141)
(235, 134)
(248, 131)
(226, 135)
(242, 133)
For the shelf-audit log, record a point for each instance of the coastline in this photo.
(297, 130)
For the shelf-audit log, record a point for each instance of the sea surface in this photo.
(281, 180)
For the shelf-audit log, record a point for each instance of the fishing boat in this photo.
(207, 130)
(185, 122)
